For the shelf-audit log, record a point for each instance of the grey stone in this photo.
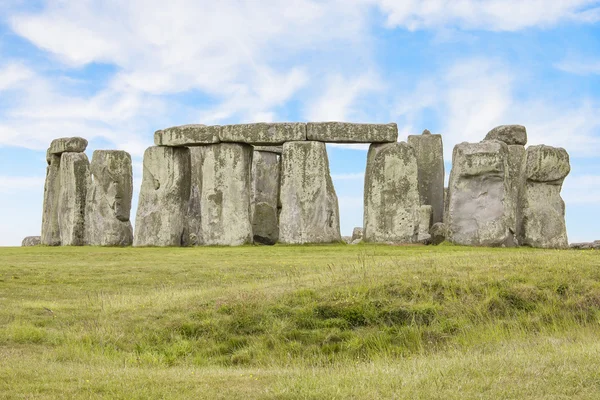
(446, 198)
(50, 226)
(108, 206)
(30, 241)
(225, 201)
(347, 239)
(68, 145)
(480, 207)
(543, 209)
(270, 149)
(516, 177)
(425, 218)
(584, 246)
(161, 218)
(347, 132)
(197, 154)
(265, 197)
(509, 134)
(309, 204)
(263, 133)
(357, 233)
(391, 194)
(187, 135)
(430, 161)
(74, 182)
(356, 241)
(438, 233)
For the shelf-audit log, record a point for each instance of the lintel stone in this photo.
(346, 132)
(262, 133)
(187, 135)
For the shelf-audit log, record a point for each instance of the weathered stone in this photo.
(357, 233)
(74, 182)
(391, 194)
(509, 134)
(516, 177)
(347, 239)
(265, 197)
(309, 204)
(50, 226)
(425, 218)
(108, 207)
(356, 241)
(30, 241)
(197, 154)
(225, 201)
(585, 246)
(430, 162)
(68, 145)
(446, 198)
(480, 207)
(187, 135)
(161, 218)
(347, 132)
(543, 209)
(270, 149)
(263, 133)
(438, 233)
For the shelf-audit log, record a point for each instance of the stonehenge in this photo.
(268, 183)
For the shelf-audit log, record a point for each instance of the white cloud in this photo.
(17, 184)
(494, 15)
(580, 67)
(11, 75)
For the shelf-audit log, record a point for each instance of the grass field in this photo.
(303, 322)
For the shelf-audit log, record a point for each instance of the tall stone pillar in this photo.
(161, 218)
(195, 204)
(480, 205)
(265, 197)
(309, 204)
(429, 151)
(225, 199)
(74, 181)
(391, 206)
(50, 227)
(543, 209)
(107, 217)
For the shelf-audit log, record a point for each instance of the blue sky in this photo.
(115, 71)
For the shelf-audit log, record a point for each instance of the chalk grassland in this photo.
(305, 322)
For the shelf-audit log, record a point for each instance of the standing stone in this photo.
(509, 134)
(161, 218)
(309, 204)
(195, 204)
(225, 200)
(516, 177)
(480, 206)
(425, 218)
(265, 197)
(543, 210)
(50, 228)
(430, 162)
(357, 233)
(446, 198)
(391, 213)
(108, 208)
(30, 241)
(438, 233)
(74, 181)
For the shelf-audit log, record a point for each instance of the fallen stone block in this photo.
(263, 133)
(31, 241)
(74, 182)
(391, 194)
(347, 132)
(438, 233)
(161, 218)
(187, 135)
(309, 204)
(108, 208)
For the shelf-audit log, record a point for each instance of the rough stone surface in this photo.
(595, 245)
(225, 201)
(197, 154)
(264, 133)
(309, 204)
(74, 182)
(265, 197)
(187, 135)
(346, 132)
(357, 233)
(31, 241)
(391, 194)
(509, 134)
(161, 218)
(425, 218)
(430, 162)
(50, 227)
(438, 233)
(516, 177)
(108, 207)
(347, 239)
(270, 149)
(543, 209)
(68, 145)
(480, 207)
(446, 198)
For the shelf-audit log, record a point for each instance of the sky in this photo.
(115, 71)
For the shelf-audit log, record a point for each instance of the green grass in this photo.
(299, 322)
